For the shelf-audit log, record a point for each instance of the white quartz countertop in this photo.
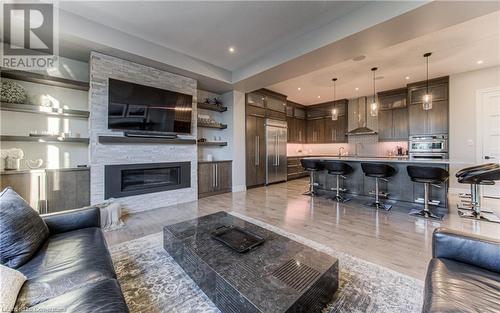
(376, 159)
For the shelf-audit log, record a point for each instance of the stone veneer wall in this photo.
(103, 67)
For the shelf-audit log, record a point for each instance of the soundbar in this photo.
(148, 134)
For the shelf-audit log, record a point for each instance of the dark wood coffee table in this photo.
(280, 275)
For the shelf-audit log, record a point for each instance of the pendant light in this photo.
(335, 112)
(374, 104)
(427, 98)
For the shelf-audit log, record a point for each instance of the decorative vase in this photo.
(12, 163)
(12, 93)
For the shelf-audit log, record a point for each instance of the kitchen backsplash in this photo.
(366, 147)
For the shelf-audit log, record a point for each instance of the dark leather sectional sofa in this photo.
(463, 275)
(72, 271)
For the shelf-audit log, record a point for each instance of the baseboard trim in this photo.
(239, 188)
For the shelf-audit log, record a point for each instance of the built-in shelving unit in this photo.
(144, 140)
(211, 107)
(43, 79)
(38, 109)
(221, 126)
(213, 143)
(44, 139)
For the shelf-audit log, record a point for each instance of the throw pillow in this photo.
(8, 295)
(22, 230)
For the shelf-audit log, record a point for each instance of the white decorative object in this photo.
(12, 163)
(111, 215)
(11, 282)
(34, 163)
(210, 157)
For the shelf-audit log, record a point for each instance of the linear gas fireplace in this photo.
(125, 180)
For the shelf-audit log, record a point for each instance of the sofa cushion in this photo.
(452, 286)
(103, 297)
(11, 281)
(67, 261)
(22, 230)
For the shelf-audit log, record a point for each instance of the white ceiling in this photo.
(455, 49)
(205, 30)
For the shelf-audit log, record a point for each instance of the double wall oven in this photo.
(428, 147)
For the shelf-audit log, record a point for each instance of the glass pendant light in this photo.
(335, 112)
(374, 104)
(427, 98)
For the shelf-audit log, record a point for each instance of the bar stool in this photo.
(378, 171)
(476, 176)
(465, 199)
(427, 176)
(339, 170)
(311, 166)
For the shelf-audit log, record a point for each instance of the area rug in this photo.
(153, 282)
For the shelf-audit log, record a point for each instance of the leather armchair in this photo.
(464, 273)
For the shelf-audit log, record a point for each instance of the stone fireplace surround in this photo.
(103, 67)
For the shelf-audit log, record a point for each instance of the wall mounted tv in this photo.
(133, 107)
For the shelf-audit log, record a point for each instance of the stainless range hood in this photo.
(362, 128)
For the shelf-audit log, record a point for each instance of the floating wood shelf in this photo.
(38, 109)
(212, 144)
(44, 79)
(144, 140)
(221, 126)
(44, 139)
(211, 107)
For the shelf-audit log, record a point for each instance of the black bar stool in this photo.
(427, 176)
(339, 170)
(311, 166)
(476, 176)
(466, 201)
(378, 171)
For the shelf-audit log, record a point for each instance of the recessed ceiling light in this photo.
(407, 77)
(299, 89)
(480, 62)
(359, 58)
(357, 88)
(319, 97)
(231, 49)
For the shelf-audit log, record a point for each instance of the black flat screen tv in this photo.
(134, 107)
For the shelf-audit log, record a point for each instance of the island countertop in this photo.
(376, 159)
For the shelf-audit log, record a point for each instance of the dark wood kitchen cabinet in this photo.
(296, 123)
(393, 115)
(435, 120)
(255, 147)
(316, 130)
(214, 178)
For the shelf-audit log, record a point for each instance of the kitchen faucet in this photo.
(356, 152)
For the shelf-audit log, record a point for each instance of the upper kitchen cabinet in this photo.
(275, 104)
(296, 122)
(435, 120)
(393, 115)
(256, 99)
(335, 130)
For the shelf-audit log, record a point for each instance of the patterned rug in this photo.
(153, 282)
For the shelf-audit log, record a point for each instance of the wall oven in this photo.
(429, 147)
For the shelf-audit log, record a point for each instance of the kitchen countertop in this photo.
(377, 159)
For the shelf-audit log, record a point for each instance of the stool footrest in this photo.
(431, 202)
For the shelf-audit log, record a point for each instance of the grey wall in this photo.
(103, 67)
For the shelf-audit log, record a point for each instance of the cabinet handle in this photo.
(257, 151)
(277, 151)
(216, 175)
(213, 175)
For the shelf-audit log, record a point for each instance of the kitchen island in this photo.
(399, 186)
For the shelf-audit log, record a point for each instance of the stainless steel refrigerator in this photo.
(276, 162)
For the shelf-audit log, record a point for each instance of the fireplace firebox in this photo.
(123, 180)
